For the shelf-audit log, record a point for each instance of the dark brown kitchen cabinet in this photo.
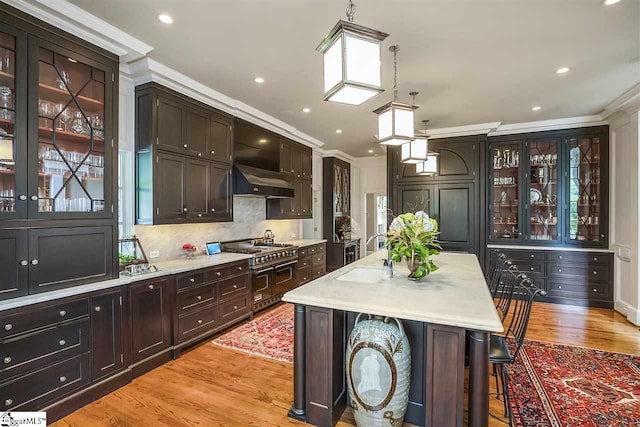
(307, 163)
(150, 318)
(285, 156)
(59, 122)
(14, 274)
(186, 182)
(107, 355)
(296, 160)
(170, 125)
(221, 193)
(306, 202)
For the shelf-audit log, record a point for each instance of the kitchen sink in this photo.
(362, 274)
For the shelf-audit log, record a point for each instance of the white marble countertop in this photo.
(301, 243)
(548, 248)
(166, 268)
(455, 295)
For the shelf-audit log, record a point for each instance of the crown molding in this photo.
(82, 24)
(544, 125)
(146, 70)
(466, 130)
(339, 154)
(628, 101)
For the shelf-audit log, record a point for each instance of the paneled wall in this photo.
(625, 178)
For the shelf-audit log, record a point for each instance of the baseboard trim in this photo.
(632, 314)
(151, 362)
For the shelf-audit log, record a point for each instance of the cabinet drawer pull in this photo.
(292, 170)
(62, 342)
(595, 258)
(235, 307)
(34, 198)
(213, 209)
(7, 360)
(22, 197)
(595, 290)
(595, 273)
(97, 308)
(199, 215)
(199, 297)
(218, 273)
(185, 145)
(8, 402)
(63, 379)
(559, 256)
(532, 256)
(530, 268)
(235, 286)
(199, 321)
(184, 210)
(192, 280)
(63, 313)
(213, 151)
(559, 270)
(240, 268)
(199, 154)
(559, 287)
(23, 262)
(8, 327)
(151, 286)
(34, 262)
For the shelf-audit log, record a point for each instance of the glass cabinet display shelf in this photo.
(549, 188)
(55, 132)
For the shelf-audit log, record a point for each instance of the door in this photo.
(69, 256)
(14, 274)
(305, 198)
(457, 215)
(298, 189)
(221, 193)
(170, 187)
(70, 134)
(543, 197)
(197, 188)
(262, 284)
(307, 163)
(285, 156)
(170, 125)
(505, 191)
(150, 318)
(106, 335)
(197, 131)
(221, 138)
(413, 198)
(296, 160)
(284, 278)
(13, 124)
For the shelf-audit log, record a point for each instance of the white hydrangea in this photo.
(397, 224)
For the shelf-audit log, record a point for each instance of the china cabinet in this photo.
(548, 188)
(57, 155)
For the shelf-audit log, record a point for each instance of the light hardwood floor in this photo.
(214, 386)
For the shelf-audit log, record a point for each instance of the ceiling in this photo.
(472, 61)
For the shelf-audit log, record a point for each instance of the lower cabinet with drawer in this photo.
(311, 263)
(568, 277)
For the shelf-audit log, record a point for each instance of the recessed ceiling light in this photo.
(562, 70)
(610, 2)
(258, 80)
(536, 108)
(370, 151)
(306, 110)
(338, 130)
(165, 19)
(262, 141)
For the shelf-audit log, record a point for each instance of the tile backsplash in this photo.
(249, 221)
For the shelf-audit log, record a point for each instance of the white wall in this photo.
(625, 230)
(368, 175)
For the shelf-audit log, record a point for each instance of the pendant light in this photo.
(430, 166)
(351, 56)
(415, 151)
(395, 119)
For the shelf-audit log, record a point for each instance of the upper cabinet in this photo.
(549, 188)
(184, 154)
(295, 159)
(296, 167)
(58, 147)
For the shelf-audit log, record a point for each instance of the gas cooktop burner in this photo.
(275, 245)
(263, 254)
(242, 250)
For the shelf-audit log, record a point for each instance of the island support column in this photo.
(297, 409)
(479, 379)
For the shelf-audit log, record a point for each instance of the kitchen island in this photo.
(441, 313)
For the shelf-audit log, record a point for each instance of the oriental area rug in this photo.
(268, 335)
(557, 385)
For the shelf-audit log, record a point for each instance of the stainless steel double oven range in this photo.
(272, 267)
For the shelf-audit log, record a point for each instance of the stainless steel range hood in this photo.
(250, 181)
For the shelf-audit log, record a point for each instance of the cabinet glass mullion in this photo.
(505, 191)
(544, 201)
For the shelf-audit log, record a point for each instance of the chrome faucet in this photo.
(379, 235)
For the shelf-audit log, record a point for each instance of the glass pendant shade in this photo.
(6, 151)
(428, 167)
(414, 151)
(352, 63)
(395, 123)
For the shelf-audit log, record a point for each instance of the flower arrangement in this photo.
(190, 250)
(414, 237)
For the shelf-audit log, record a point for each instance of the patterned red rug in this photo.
(267, 335)
(558, 385)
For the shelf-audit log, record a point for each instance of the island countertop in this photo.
(455, 295)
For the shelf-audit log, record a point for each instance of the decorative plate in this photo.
(535, 195)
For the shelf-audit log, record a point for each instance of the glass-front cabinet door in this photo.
(12, 126)
(586, 202)
(73, 138)
(543, 198)
(505, 191)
